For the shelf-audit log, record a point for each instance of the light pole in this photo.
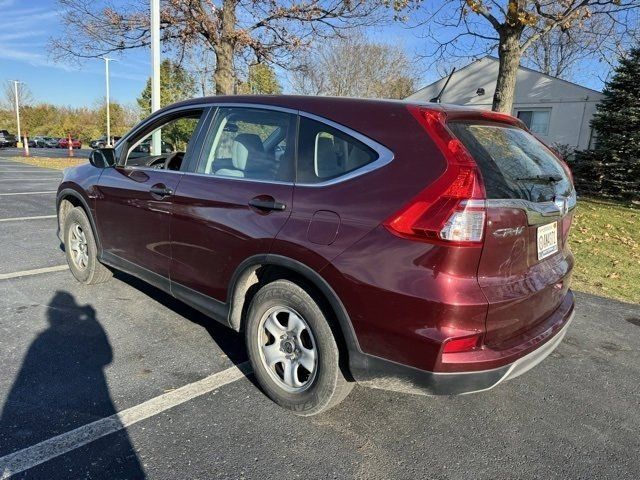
(156, 140)
(15, 89)
(106, 73)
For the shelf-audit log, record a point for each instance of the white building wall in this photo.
(572, 106)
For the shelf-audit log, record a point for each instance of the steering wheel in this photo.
(173, 161)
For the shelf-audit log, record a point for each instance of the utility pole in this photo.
(15, 89)
(106, 73)
(156, 142)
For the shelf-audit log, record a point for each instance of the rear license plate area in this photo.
(547, 240)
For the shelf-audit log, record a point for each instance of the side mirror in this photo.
(103, 158)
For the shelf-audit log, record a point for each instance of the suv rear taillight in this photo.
(452, 209)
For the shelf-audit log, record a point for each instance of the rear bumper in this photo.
(379, 373)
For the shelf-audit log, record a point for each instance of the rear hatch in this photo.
(525, 263)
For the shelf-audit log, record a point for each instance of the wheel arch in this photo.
(259, 270)
(74, 199)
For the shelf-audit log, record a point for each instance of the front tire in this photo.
(81, 249)
(293, 351)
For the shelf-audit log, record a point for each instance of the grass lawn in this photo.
(46, 162)
(605, 240)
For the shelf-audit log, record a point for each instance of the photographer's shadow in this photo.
(61, 385)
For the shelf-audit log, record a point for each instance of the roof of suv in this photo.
(311, 103)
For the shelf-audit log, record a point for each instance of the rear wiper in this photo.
(541, 179)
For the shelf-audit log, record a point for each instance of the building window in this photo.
(536, 120)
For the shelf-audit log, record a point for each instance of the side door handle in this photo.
(266, 203)
(160, 190)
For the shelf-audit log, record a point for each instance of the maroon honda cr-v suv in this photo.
(408, 246)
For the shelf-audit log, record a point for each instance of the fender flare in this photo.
(250, 265)
(70, 192)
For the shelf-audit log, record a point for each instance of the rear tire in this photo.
(81, 249)
(293, 351)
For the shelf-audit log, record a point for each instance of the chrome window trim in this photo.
(537, 213)
(385, 156)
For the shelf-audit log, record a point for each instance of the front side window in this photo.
(325, 153)
(174, 135)
(536, 120)
(250, 143)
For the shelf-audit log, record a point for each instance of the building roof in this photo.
(489, 59)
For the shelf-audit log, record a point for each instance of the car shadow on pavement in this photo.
(61, 385)
(229, 341)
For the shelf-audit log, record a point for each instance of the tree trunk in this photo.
(509, 54)
(224, 75)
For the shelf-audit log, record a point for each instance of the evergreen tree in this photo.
(262, 80)
(612, 168)
(175, 84)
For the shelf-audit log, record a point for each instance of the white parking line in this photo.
(36, 271)
(19, 219)
(28, 193)
(33, 170)
(39, 179)
(54, 447)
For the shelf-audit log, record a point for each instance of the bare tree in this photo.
(25, 97)
(201, 64)
(353, 66)
(557, 54)
(560, 52)
(263, 31)
(473, 27)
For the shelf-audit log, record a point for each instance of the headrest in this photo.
(326, 161)
(245, 144)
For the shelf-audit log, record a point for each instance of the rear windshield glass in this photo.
(513, 163)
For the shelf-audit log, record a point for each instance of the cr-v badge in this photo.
(508, 232)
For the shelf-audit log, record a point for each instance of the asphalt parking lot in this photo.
(120, 381)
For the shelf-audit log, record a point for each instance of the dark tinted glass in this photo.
(513, 163)
(325, 152)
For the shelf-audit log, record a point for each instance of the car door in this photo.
(235, 202)
(134, 199)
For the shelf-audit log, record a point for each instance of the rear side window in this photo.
(513, 163)
(325, 153)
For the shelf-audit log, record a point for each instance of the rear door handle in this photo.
(161, 190)
(266, 203)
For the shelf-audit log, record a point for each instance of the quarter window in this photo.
(250, 143)
(325, 153)
(536, 120)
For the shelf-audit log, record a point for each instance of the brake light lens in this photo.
(452, 209)
(462, 344)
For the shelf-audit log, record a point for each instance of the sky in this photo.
(26, 27)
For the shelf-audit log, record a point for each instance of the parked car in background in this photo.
(64, 143)
(7, 140)
(52, 142)
(38, 141)
(102, 142)
(405, 245)
(145, 147)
